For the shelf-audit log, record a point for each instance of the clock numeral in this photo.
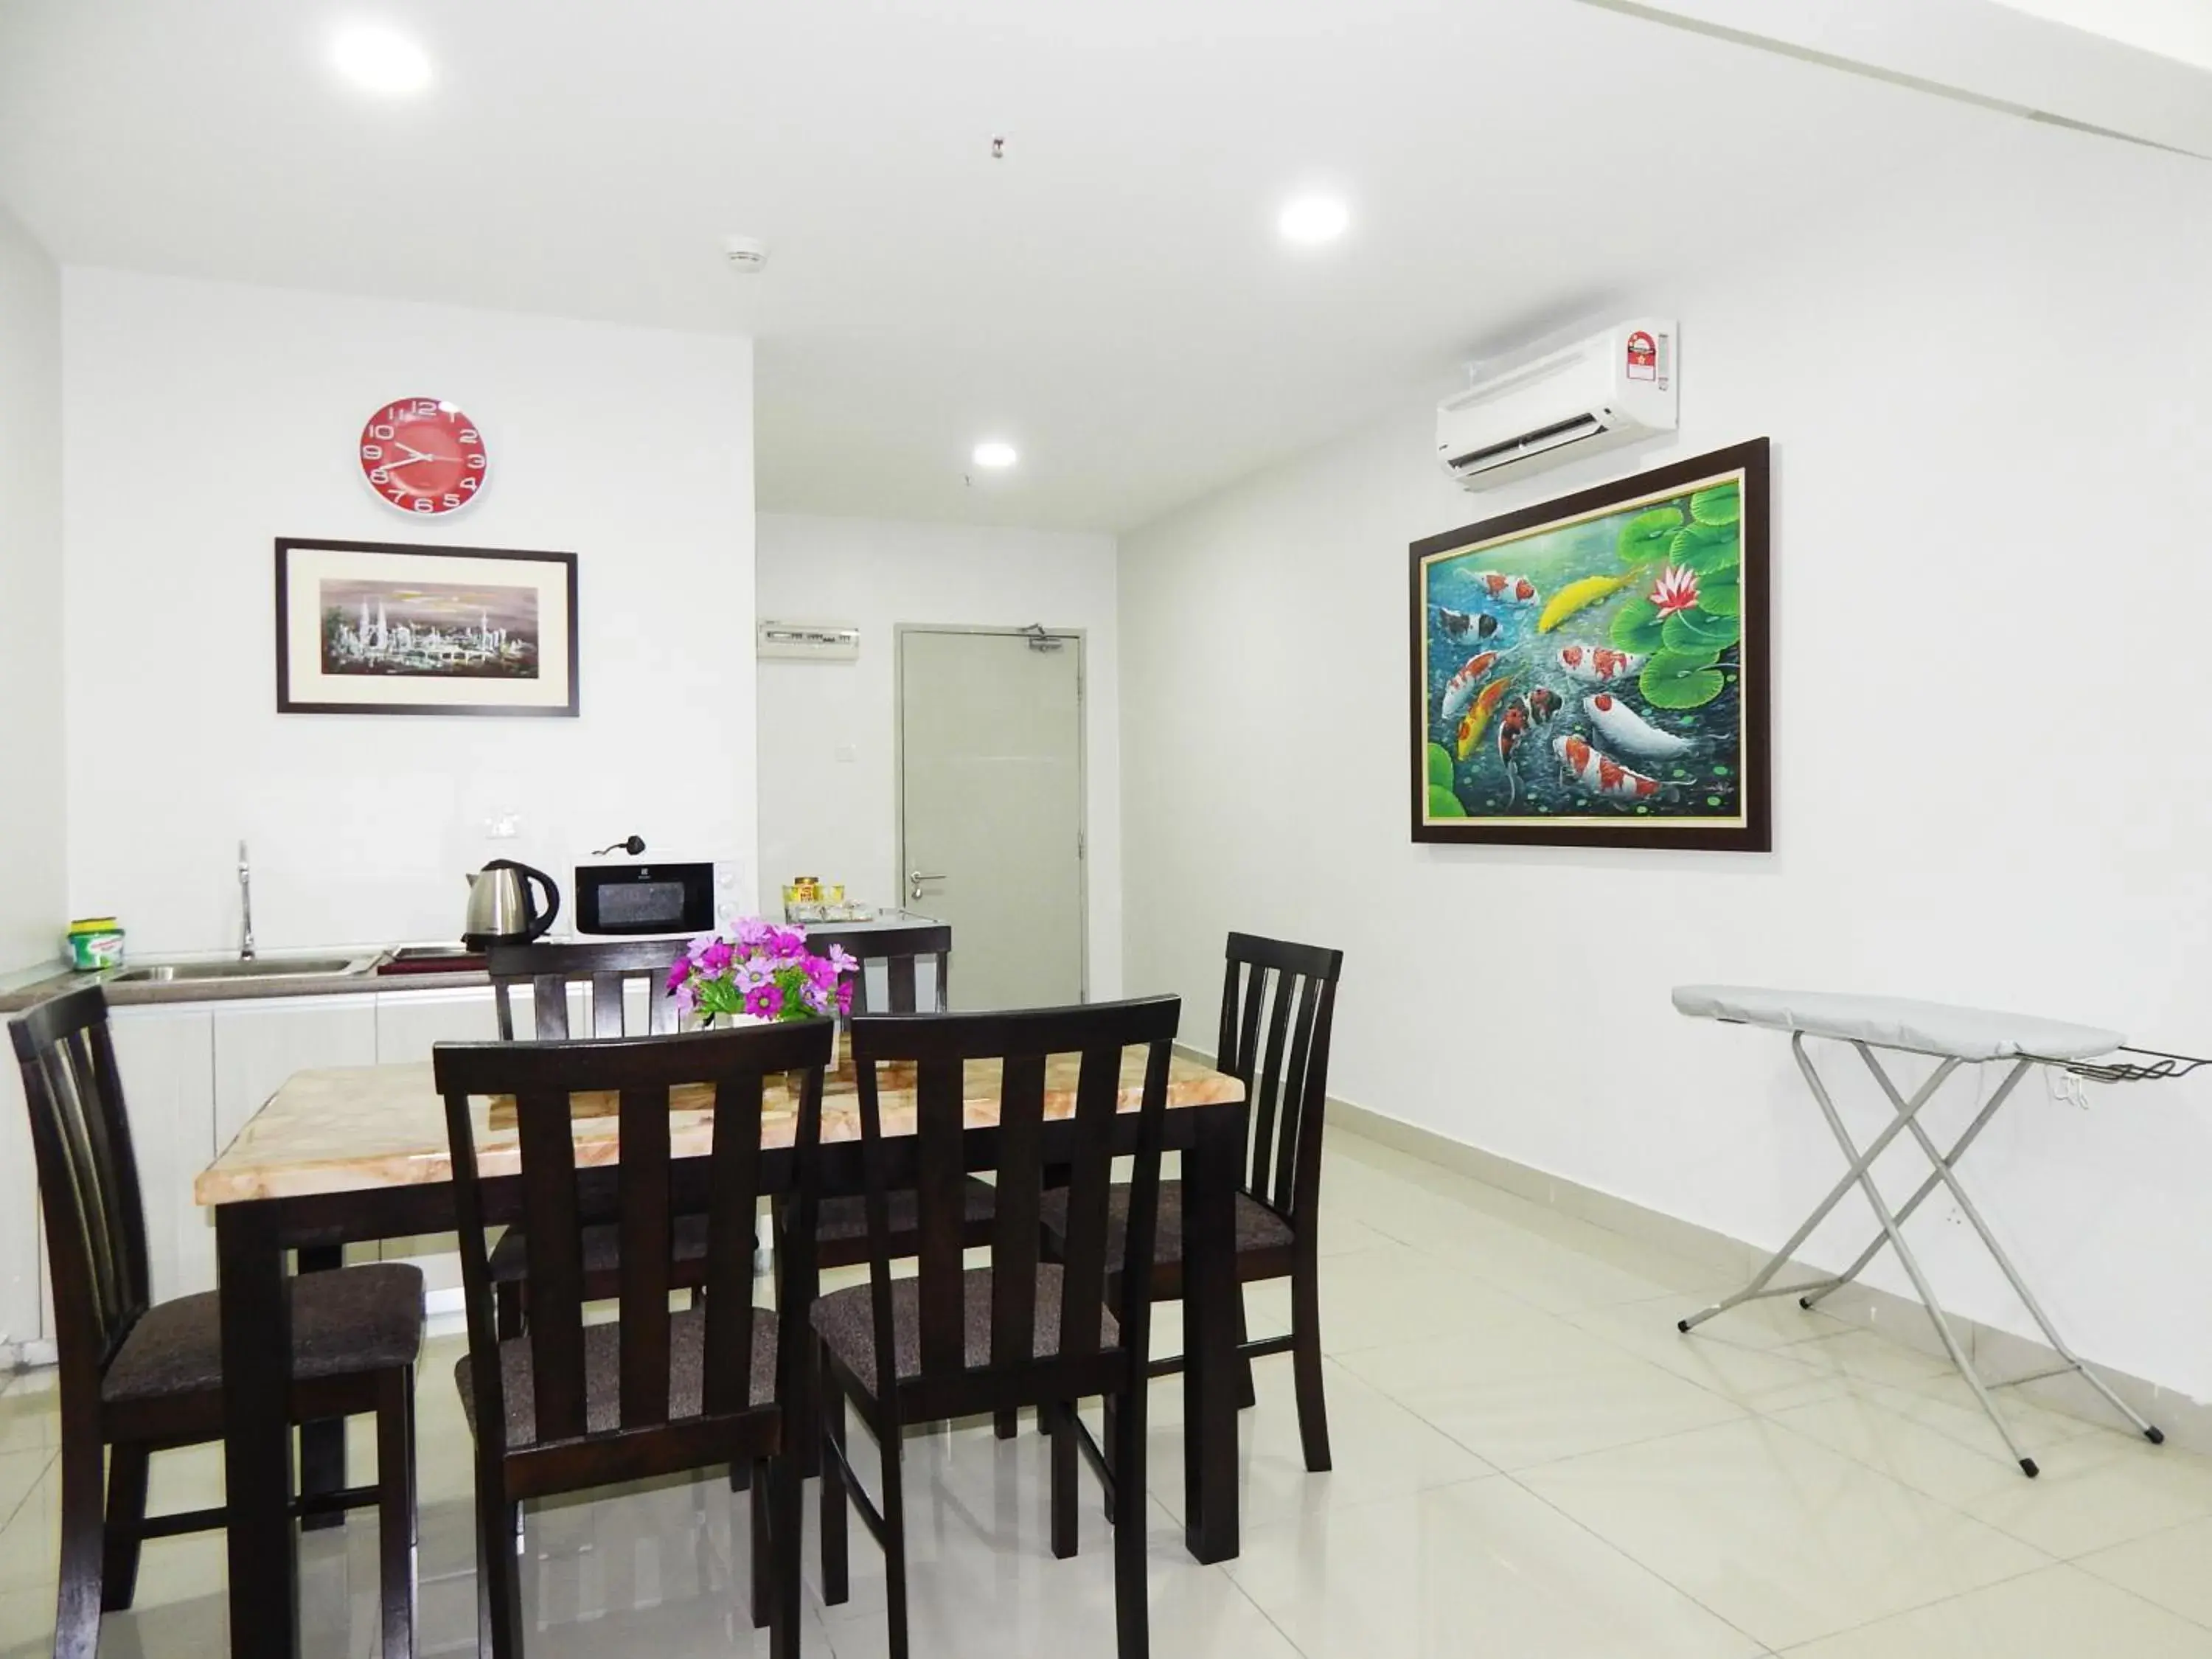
(475, 463)
(468, 484)
(380, 477)
(424, 504)
(383, 432)
(372, 451)
(467, 434)
(453, 500)
(398, 494)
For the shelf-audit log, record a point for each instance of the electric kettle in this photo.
(501, 911)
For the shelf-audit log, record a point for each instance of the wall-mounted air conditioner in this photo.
(1611, 388)
(808, 642)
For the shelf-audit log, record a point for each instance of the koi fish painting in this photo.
(1629, 624)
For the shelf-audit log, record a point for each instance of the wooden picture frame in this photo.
(1595, 670)
(394, 628)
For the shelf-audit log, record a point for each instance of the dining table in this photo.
(355, 1154)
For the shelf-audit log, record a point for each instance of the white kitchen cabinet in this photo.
(407, 1024)
(21, 1322)
(165, 1057)
(261, 1041)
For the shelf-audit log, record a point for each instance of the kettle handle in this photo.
(544, 923)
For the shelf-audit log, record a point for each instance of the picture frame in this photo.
(396, 628)
(1595, 670)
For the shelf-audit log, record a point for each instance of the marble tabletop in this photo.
(349, 1129)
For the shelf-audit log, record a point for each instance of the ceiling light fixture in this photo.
(994, 454)
(380, 60)
(1312, 219)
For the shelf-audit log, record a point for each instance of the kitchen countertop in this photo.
(19, 991)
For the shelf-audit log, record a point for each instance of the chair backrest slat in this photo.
(1015, 1224)
(547, 1082)
(942, 1047)
(900, 950)
(1288, 992)
(647, 1241)
(87, 1177)
(553, 1223)
(607, 967)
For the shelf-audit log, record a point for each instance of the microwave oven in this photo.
(645, 899)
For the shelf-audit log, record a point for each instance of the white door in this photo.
(991, 808)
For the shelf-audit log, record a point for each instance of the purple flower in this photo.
(679, 972)
(786, 942)
(843, 960)
(715, 959)
(751, 975)
(765, 1001)
(753, 932)
(844, 997)
(687, 997)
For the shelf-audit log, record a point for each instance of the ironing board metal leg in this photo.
(1909, 1111)
(1758, 1287)
(1905, 1255)
(1968, 1208)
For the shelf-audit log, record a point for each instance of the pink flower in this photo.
(717, 957)
(679, 972)
(843, 960)
(844, 997)
(765, 1001)
(1677, 590)
(687, 997)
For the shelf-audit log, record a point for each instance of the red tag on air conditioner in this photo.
(1642, 356)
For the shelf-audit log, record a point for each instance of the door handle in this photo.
(913, 880)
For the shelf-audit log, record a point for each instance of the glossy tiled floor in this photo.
(1530, 1461)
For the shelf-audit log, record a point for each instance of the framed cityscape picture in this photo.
(1594, 670)
(381, 628)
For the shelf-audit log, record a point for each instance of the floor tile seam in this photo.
(1354, 1505)
(2050, 1558)
(1923, 1606)
(16, 1509)
(2081, 1563)
(1641, 1565)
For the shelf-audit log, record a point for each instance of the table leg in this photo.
(256, 1461)
(1209, 1336)
(322, 1443)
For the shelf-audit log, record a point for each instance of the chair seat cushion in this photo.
(845, 1319)
(686, 1375)
(510, 1257)
(846, 1218)
(346, 1323)
(1258, 1227)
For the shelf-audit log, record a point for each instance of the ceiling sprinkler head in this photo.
(998, 147)
(746, 254)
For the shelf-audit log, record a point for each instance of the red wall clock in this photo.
(425, 455)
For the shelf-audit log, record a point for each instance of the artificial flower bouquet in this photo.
(763, 971)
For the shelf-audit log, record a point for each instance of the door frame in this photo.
(1081, 640)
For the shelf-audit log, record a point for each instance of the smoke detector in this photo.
(746, 254)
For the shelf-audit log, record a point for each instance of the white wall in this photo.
(1987, 395)
(204, 420)
(32, 901)
(839, 819)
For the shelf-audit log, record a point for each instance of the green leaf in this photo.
(1635, 626)
(1707, 548)
(1443, 804)
(1440, 767)
(1689, 632)
(1722, 504)
(1647, 536)
(1680, 680)
(1721, 598)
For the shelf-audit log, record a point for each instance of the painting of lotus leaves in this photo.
(1594, 670)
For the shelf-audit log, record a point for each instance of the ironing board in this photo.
(1952, 1037)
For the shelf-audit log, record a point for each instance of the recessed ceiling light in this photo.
(995, 454)
(381, 59)
(1310, 219)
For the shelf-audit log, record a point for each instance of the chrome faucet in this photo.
(246, 903)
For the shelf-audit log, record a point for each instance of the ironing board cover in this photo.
(1927, 1028)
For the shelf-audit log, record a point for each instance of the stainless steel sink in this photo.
(260, 968)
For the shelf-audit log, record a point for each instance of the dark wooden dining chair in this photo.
(1286, 993)
(951, 1341)
(605, 970)
(567, 1406)
(901, 950)
(139, 1376)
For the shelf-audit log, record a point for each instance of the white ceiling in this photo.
(1111, 297)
